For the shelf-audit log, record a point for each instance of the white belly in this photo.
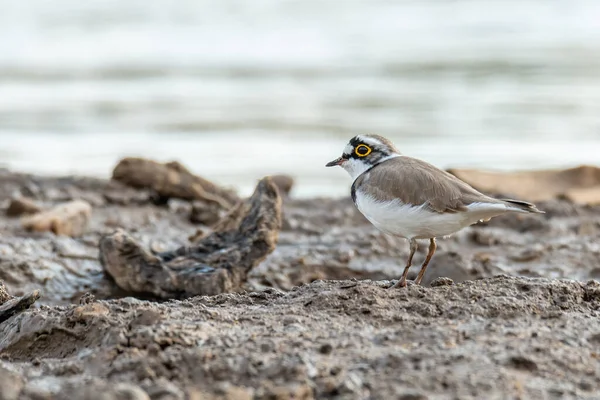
(409, 221)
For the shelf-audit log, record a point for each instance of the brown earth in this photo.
(314, 320)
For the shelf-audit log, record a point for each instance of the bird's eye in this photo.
(362, 150)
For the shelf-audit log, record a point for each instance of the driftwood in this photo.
(210, 214)
(284, 183)
(22, 206)
(205, 213)
(69, 219)
(10, 306)
(216, 264)
(171, 180)
(579, 185)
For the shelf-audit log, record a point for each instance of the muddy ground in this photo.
(315, 319)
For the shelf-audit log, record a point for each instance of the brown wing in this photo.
(417, 182)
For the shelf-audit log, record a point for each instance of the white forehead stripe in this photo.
(371, 141)
(348, 149)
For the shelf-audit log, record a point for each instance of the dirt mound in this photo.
(498, 337)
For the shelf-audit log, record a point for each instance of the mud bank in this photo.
(494, 338)
(311, 320)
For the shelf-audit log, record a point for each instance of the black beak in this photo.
(337, 161)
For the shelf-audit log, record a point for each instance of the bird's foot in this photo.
(401, 284)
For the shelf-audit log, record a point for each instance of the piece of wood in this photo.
(17, 305)
(205, 213)
(68, 219)
(171, 180)
(22, 206)
(284, 183)
(4, 295)
(217, 263)
(578, 184)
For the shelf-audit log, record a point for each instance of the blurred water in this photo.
(240, 89)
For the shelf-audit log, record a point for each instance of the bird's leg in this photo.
(432, 248)
(413, 249)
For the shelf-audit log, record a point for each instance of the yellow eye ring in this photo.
(362, 150)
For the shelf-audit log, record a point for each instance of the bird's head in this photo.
(363, 152)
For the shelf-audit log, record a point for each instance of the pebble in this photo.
(126, 391)
(11, 385)
(412, 396)
(289, 320)
(442, 281)
(326, 349)
(165, 390)
(528, 254)
(89, 311)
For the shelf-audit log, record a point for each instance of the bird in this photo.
(411, 198)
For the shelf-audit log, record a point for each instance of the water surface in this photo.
(237, 90)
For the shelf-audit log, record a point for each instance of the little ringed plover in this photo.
(410, 198)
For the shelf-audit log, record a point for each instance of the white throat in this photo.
(356, 167)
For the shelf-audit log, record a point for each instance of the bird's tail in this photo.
(522, 206)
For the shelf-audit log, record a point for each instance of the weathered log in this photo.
(22, 206)
(284, 183)
(10, 306)
(212, 215)
(69, 219)
(171, 180)
(205, 213)
(218, 263)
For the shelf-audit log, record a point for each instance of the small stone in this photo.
(225, 391)
(594, 338)
(126, 391)
(289, 320)
(36, 393)
(484, 238)
(529, 254)
(442, 281)
(146, 318)
(266, 347)
(87, 298)
(291, 391)
(588, 228)
(586, 386)
(522, 363)
(238, 393)
(69, 219)
(165, 390)
(326, 349)
(89, 311)
(412, 396)
(11, 385)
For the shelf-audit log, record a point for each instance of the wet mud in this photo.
(311, 316)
